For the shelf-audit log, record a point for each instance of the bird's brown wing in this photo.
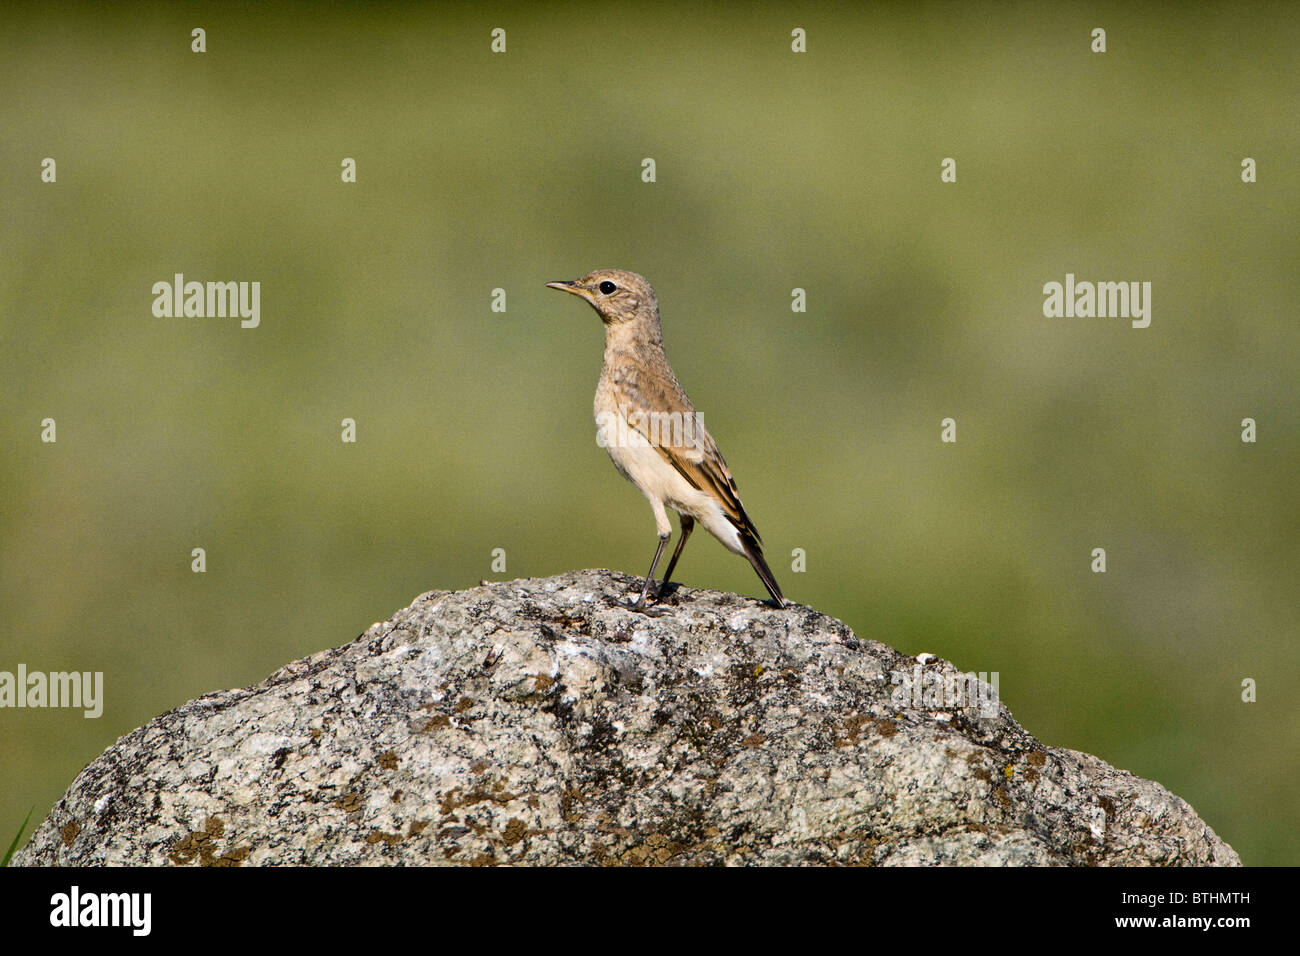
(680, 437)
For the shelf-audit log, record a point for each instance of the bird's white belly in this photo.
(643, 465)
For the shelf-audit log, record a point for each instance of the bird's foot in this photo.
(643, 603)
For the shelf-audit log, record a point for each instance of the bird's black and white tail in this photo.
(754, 551)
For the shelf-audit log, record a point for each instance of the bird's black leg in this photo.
(659, 551)
(688, 525)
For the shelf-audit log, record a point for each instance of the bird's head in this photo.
(617, 296)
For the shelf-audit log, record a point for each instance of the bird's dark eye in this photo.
(607, 287)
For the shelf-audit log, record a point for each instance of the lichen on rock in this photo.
(541, 721)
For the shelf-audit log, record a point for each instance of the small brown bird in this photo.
(653, 433)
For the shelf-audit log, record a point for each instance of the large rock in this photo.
(539, 721)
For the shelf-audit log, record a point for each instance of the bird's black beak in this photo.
(568, 285)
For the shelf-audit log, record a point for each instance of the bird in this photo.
(654, 435)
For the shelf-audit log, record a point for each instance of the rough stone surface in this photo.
(540, 722)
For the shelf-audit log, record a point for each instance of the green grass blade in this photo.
(13, 847)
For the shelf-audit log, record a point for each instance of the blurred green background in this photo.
(775, 170)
